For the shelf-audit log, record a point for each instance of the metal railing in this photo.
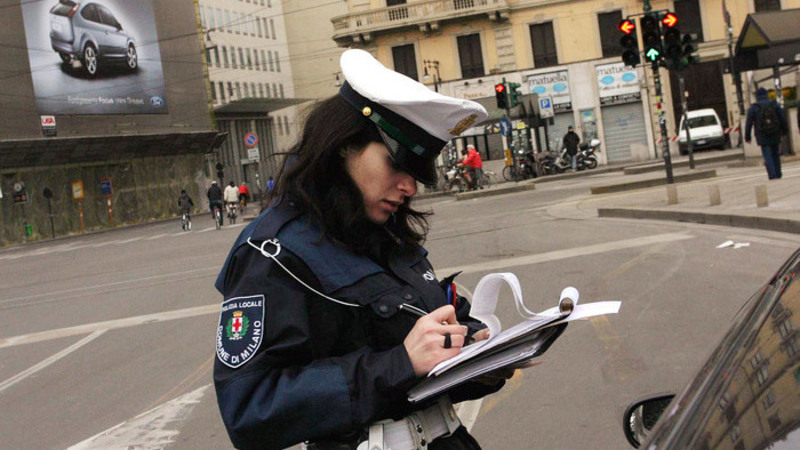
(412, 14)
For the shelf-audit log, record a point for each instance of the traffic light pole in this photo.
(663, 124)
(685, 114)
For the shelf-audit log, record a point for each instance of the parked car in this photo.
(705, 129)
(747, 395)
(90, 33)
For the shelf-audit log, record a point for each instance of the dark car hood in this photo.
(747, 395)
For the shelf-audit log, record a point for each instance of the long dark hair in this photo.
(313, 174)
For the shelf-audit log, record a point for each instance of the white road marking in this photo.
(108, 325)
(30, 371)
(113, 284)
(157, 236)
(491, 266)
(130, 240)
(151, 430)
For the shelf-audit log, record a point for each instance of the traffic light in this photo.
(651, 38)
(688, 48)
(514, 94)
(629, 43)
(500, 94)
(672, 42)
(220, 174)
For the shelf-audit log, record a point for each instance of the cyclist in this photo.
(472, 159)
(185, 202)
(231, 197)
(244, 195)
(214, 198)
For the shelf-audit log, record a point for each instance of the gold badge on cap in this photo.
(366, 111)
(463, 125)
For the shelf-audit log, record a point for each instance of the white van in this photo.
(705, 130)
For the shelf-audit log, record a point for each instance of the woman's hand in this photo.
(425, 344)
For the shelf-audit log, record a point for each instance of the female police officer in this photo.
(315, 342)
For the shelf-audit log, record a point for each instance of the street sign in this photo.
(505, 127)
(251, 139)
(77, 190)
(20, 196)
(545, 107)
(252, 154)
(105, 187)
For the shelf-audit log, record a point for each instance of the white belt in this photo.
(415, 431)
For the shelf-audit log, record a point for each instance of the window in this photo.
(210, 18)
(260, 30)
(280, 126)
(228, 21)
(688, 12)
(261, 90)
(271, 63)
(282, 96)
(221, 91)
(233, 57)
(253, 89)
(255, 57)
(397, 13)
(213, 93)
(220, 22)
(225, 56)
(761, 375)
(216, 56)
(543, 43)
(230, 90)
(767, 5)
(203, 18)
(463, 4)
(286, 124)
(269, 94)
(249, 60)
(272, 26)
(469, 53)
(263, 61)
(266, 28)
(768, 400)
(277, 62)
(241, 57)
(785, 327)
(238, 90)
(246, 90)
(405, 61)
(609, 35)
(791, 347)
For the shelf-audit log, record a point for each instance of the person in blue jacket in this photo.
(768, 136)
(316, 341)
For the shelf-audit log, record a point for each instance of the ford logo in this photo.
(156, 101)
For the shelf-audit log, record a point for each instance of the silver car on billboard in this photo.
(89, 32)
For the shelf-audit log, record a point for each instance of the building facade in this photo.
(566, 50)
(99, 128)
(250, 85)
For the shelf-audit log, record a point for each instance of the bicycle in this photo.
(232, 212)
(186, 222)
(217, 217)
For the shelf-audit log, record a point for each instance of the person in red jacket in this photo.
(244, 196)
(474, 164)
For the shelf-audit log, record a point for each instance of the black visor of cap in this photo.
(412, 148)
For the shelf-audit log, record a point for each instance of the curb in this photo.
(732, 220)
(631, 185)
(684, 163)
(528, 185)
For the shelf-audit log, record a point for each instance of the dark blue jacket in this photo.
(293, 366)
(754, 118)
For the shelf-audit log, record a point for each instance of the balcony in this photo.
(426, 15)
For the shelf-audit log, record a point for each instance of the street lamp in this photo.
(434, 66)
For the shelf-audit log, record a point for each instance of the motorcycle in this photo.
(586, 156)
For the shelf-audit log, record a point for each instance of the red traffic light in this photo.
(500, 88)
(626, 26)
(670, 20)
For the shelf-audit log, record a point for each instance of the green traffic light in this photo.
(653, 55)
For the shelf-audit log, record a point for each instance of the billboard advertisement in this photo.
(94, 57)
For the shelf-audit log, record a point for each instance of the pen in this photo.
(412, 309)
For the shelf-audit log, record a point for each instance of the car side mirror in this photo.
(641, 417)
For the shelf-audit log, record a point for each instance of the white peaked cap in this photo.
(414, 121)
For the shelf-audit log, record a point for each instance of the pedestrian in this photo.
(311, 343)
(571, 141)
(474, 164)
(769, 121)
(270, 185)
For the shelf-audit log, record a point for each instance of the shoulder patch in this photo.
(240, 330)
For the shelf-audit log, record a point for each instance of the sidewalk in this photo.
(723, 189)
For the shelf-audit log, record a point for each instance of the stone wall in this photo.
(144, 190)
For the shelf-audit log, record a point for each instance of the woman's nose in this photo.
(408, 185)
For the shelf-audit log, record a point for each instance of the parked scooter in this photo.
(586, 156)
